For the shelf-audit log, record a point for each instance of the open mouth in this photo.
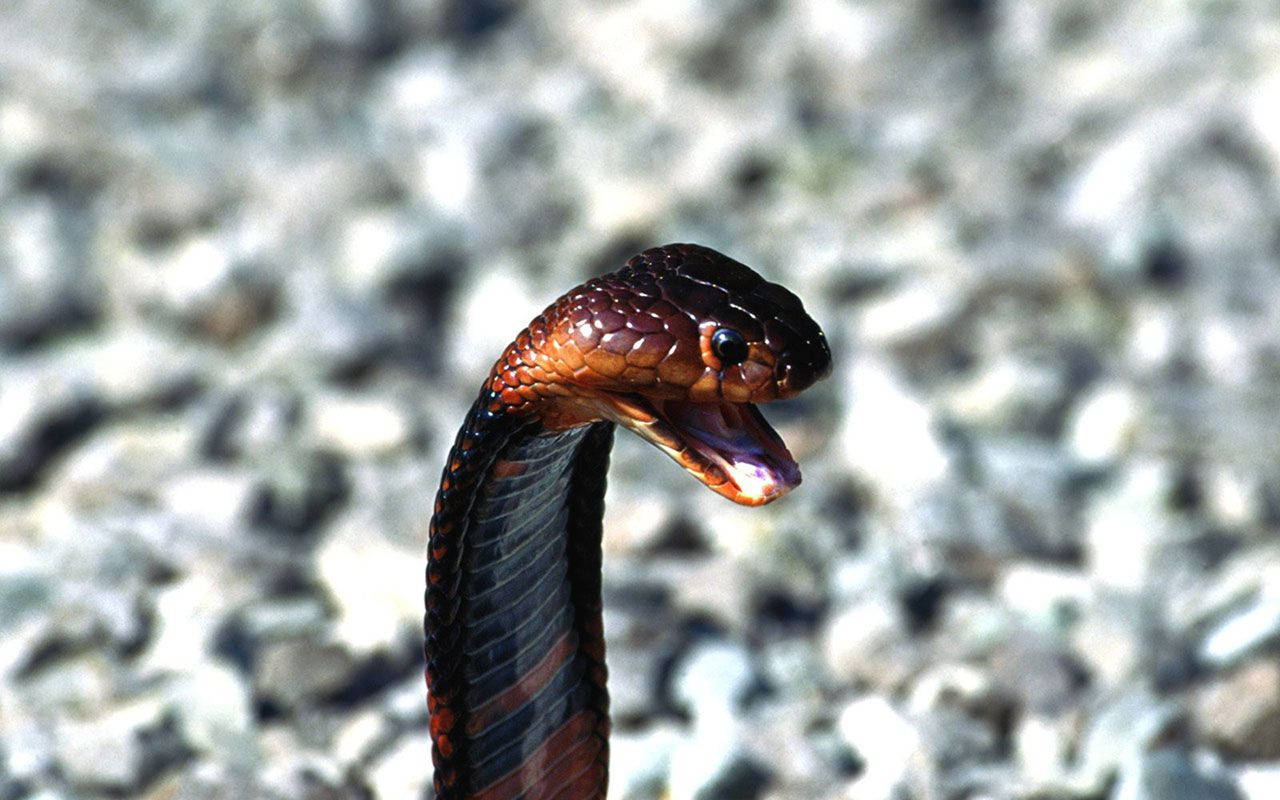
(728, 446)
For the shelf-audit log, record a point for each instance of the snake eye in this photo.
(729, 346)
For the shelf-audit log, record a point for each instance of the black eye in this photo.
(729, 346)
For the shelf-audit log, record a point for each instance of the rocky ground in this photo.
(256, 257)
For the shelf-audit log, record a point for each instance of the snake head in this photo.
(679, 346)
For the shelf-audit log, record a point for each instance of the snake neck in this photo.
(515, 647)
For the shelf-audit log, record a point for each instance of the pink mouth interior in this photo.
(736, 438)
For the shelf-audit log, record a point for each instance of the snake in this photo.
(679, 346)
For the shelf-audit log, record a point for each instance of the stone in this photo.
(109, 752)
(1112, 639)
(889, 435)
(359, 737)
(1240, 712)
(404, 771)
(1126, 726)
(1009, 395)
(45, 286)
(300, 491)
(1245, 630)
(713, 765)
(1167, 774)
(1130, 532)
(213, 704)
(359, 426)
(639, 762)
(1260, 782)
(1041, 749)
(1048, 598)
(371, 615)
(215, 500)
(42, 410)
(1101, 426)
(1029, 478)
(301, 672)
(868, 642)
(716, 588)
(713, 677)
(188, 615)
(914, 311)
(886, 743)
(632, 681)
(1037, 672)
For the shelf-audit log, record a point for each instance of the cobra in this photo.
(678, 346)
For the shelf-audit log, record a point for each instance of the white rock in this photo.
(404, 770)
(639, 763)
(1048, 597)
(888, 437)
(1007, 393)
(1243, 632)
(1123, 729)
(713, 677)
(358, 736)
(1101, 426)
(1041, 749)
(868, 642)
(375, 586)
(107, 752)
(215, 499)
(497, 291)
(1259, 781)
(359, 426)
(912, 312)
(1128, 528)
(187, 614)
(1110, 639)
(302, 671)
(214, 708)
(888, 744)
(950, 685)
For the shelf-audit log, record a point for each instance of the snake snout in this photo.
(796, 372)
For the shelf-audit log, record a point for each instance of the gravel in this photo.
(250, 261)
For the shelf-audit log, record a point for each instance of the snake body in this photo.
(678, 346)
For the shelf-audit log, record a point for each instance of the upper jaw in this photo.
(728, 446)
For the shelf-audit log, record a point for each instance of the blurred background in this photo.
(256, 258)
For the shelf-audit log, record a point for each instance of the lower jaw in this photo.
(729, 447)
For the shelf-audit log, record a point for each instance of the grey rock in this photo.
(1168, 774)
(1240, 712)
(1123, 730)
(301, 671)
(300, 490)
(1029, 478)
(1113, 638)
(45, 285)
(1041, 675)
(43, 410)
